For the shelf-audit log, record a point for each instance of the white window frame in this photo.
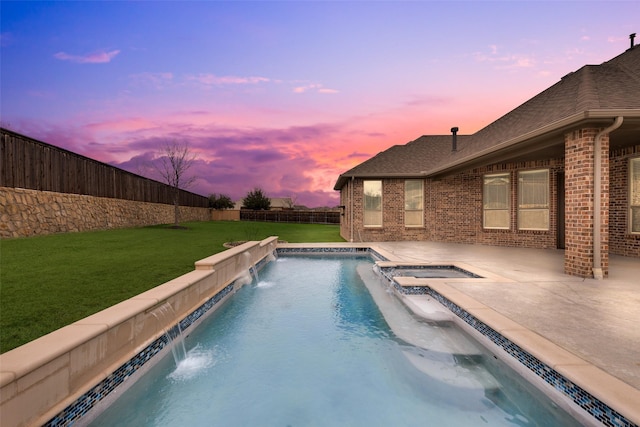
(533, 209)
(634, 195)
(372, 215)
(487, 209)
(413, 204)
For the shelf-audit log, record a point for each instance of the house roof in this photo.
(594, 94)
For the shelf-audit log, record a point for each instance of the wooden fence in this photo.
(306, 217)
(31, 164)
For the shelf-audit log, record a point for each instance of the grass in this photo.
(48, 282)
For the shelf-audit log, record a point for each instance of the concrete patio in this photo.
(595, 320)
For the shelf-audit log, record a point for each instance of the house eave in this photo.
(599, 117)
(342, 179)
(537, 139)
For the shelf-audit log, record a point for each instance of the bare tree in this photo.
(291, 203)
(174, 162)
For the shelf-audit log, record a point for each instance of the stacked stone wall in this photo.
(25, 213)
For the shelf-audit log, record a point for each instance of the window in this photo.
(373, 203)
(495, 201)
(533, 200)
(413, 203)
(634, 195)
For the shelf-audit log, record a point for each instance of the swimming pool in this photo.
(307, 345)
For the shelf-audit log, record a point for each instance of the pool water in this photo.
(306, 345)
(437, 272)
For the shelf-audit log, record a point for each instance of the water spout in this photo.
(273, 253)
(166, 315)
(248, 270)
(254, 273)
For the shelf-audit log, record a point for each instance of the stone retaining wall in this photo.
(26, 213)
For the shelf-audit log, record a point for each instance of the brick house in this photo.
(529, 179)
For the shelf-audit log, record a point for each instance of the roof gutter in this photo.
(597, 196)
(351, 209)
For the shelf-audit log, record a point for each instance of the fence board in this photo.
(299, 216)
(28, 163)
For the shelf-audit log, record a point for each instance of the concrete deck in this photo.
(596, 320)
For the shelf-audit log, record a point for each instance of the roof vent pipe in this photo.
(454, 141)
(632, 37)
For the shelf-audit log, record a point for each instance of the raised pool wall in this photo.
(40, 379)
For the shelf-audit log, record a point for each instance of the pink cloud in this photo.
(233, 161)
(128, 124)
(314, 87)
(212, 79)
(616, 39)
(508, 61)
(100, 57)
(236, 155)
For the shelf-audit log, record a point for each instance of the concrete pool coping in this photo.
(583, 328)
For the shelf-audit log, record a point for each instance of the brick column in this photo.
(579, 194)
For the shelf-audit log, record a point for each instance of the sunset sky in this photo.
(285, 95)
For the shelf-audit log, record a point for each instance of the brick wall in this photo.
(621, 242)
(579, 158)
(453, 207)
(25, 213)
(453, 210)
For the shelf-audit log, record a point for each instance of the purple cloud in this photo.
(285, 162)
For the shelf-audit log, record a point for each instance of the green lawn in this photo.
(50, 281)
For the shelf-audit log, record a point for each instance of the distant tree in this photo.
(256, 200)
(173, 163)
(291, 201)
(220, 201)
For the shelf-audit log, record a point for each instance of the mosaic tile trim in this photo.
(595, 407)
(337, 250)
(88, 400)
(320, 251)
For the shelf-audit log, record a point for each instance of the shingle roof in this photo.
(613, 85)
(413, 158)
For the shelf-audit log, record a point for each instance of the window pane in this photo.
(413, 203)
(533, 189)
(533, 219)
(634, 195)
(496, 218)
(373, 203)
(372, 218)
(413, 195)
(413, 218)
(533, 200)
(496, 201)
(635, 219)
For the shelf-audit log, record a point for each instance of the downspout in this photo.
(351, 209)
(597, 197)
